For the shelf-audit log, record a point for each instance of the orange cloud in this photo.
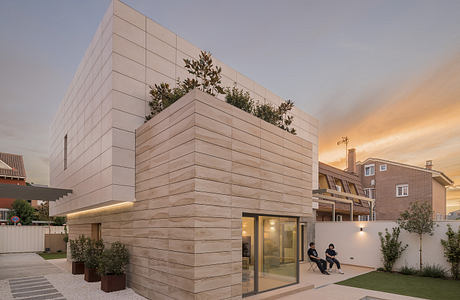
(411, 126)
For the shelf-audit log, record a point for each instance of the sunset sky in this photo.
(384, 73)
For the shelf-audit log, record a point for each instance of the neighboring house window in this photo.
(383, 168)
(338, 185)
(338, 218)
(363, 218)
(65, 152)
(4, 214)
(369, 192)
(402, 190)
(369, 170)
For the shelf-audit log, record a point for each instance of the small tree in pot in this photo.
(112, 267)
(77, 253)
(92, 257)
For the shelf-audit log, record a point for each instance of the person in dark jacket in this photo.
(313, 255)
(330, 257)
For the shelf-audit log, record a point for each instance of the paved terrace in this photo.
(27, 276)
(314, 285)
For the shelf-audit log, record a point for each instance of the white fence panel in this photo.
(25, 238)
(362, 248)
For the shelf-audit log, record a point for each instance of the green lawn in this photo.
(53, 255)
(416, 286)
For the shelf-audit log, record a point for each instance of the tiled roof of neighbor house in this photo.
(12, 165)
(445, 180)
(346, 177)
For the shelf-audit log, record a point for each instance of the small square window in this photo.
(402, 190)
(383, 168)
(369, 170)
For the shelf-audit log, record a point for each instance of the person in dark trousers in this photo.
(330, 257)
(313, 255)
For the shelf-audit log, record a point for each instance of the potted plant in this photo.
(112, 267)
(77, 253)
(93, 253)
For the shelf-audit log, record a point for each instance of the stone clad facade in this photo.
(108, 99)
(201, 164)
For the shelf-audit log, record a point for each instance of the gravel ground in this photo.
(75, 287)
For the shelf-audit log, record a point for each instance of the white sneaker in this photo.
(329, 270)
(341, 272)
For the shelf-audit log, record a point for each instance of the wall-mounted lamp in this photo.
(360, 229)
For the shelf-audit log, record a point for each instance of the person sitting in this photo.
(313, 255)
(330, 257)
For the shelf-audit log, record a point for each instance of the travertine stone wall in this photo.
(200, 164)
(108, 99)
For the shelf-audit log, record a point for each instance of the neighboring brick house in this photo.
(395, 185)
(12, 171)
(346, 186)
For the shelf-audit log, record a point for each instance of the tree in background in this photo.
(43, 215)
(391, 247)
(452, 250)
(418, 219)
(23, 210)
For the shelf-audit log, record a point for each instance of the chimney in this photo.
(351, 166)
(429, 164)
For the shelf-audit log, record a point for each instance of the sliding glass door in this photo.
(270, 252)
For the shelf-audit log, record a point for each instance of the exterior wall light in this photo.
(360, 229)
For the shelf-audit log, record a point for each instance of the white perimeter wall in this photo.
(364, 247)
(25, 238)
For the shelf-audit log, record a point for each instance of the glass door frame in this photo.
(256, 252)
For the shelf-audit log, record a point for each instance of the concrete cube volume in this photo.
(180, 189)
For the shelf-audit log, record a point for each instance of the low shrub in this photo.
(391, 247)
(93, 253)
(113, 261)
(78, 248)
(452, 251)
(406, 270)
(381, 269)
(435, 271)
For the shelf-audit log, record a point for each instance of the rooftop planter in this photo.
(207, 78)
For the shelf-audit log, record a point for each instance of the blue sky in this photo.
(351, 64)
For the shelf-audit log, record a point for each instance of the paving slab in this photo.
(20, 265)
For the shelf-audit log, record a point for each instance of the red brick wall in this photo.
(387, 205)
(7, 202)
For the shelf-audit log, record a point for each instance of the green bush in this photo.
(93, 253)
(240, 99)
(391, 248)
(406, 270)
(435, 271)
(380, 269)
(113, 261)
(207, 78)
(78, 248)
(452, 251)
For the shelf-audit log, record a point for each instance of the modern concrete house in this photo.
(211, 201)
(395, 185)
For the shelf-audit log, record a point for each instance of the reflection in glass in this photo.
(277, 252)
(248, 254)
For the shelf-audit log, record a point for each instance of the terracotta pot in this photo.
(91, 275)
(78, 267)
(112, 283)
